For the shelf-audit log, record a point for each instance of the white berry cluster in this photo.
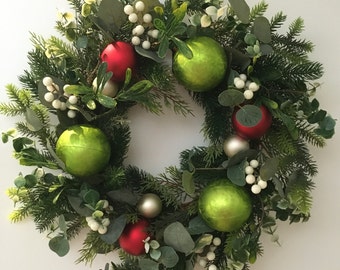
(97, 222)
(257, 183)
(59, 101)
(210, 255)
(143, 32)
(249, 87)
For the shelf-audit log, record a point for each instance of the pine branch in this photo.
(20, 101)
(258, 10)
(296, 28)
(277, 21)
(306, 132)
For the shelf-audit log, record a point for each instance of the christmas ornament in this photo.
(207, 67)
(253, 132)
(131, 240)
(119, 56)
(150, 205)
(85, 150)
(224, 206)
(234, 144)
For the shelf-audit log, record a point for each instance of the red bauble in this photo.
(131, 240)
(119, 56)
(253, 132)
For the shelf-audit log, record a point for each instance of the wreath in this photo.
(256, 87)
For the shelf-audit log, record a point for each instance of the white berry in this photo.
(88, 219)
(139, 30)
(248, 94)
(202, 262)
(56, 104)
(239, 84)
(47, 81)
(128, 9)
(71, 113)
(135, 40)
(139, 6)
(254, 163)
(146, 44)
(262, 184)
(51, 88)
(243, 77)
(212, 267)
(249, 170)
(253, 86)
(155, 33)
(105, 222)
(102, 229)
(63, 106)
(49, 97)
(250, 179)
(256, 189)
(94, 225)
(133, 18)
(211, 256)
(147, 18)
(73, 99)
(217, 241)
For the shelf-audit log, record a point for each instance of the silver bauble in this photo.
(234, 144)
(150, 205)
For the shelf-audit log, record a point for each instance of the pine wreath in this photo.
(256, 87)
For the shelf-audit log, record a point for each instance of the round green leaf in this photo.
(114, 230)
(146, 264)
(20, 181)
(169, 257)
(269, 168)
(197, 226)
(177, 236)
(249, 115)
(59, 245)
(241, 9)
(230, 97)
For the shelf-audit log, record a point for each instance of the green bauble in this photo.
(206, 69)
(85, 150)
(224, 206)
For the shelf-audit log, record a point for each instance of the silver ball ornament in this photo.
(234, 144)
(150, 205)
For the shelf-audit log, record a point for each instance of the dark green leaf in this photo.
(317, 117)
(250, 39)
(177, 236)
(241, 9)
(77, 205)
(149, 54)
(198, 226)
(159, 24)
(147, 264)
(62, 224)
(269, 168)
(163, 47)
(240, 156)
(188, 182)
(169, 257)
(249, 115)
(236, 174)
(31, 180)
(230, 97)
(59, 245)
(262, 29)
(123, 195)
(114, 230)
(91, 197)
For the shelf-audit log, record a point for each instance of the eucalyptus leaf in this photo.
(250, 39)
(241, 9)
(249, 115)
(230, 97)
(114, 230)
(147, 264)
(269, 168)
(148, 54)
(155, 254)
(77, 205)
(262, 29)
(236, 173)
(169, 257)
(59, 245)
(328, 123)
(123, 195)
(62, 224)
(188, 182)
(33, 121)
(20, 181)
(177, 236)
(82, 42)
(198, 226)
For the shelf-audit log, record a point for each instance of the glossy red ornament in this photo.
(253, 132)
(131, 240)
(119, 56)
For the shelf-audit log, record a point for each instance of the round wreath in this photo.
(255, 86)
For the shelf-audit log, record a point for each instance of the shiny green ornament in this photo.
(207, 67)
(224, 206)
(84, 149)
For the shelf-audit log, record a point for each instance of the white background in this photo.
(157, 141)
